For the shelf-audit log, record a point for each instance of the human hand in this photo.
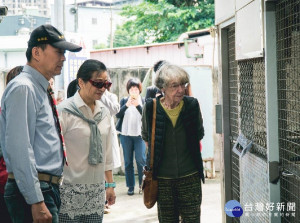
(158, 94)
(40, 213)
(135, 102)
(110, 196)
(128, 103)
(134, 99)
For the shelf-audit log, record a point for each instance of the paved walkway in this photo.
(130, 209)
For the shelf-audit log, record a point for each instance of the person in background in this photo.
(129, 126)
(35, 160)
(60, 93)
(13, 73)
(178, 165)
(110, 100)
(60, 96)
(188, 92)
(51, 82)
(5, 218)
(87, 129)
(153, 91)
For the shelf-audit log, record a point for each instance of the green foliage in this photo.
(100, 46)
(124, 36)
(163, 20)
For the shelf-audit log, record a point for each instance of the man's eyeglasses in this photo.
(100, 84)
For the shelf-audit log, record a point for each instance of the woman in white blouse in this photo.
(129, 125)
(86, 126)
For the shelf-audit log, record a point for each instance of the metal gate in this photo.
(247, 115)
(288, 66)
(233, 80)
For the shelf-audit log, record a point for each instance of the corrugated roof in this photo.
(138, 46)
(191, 34)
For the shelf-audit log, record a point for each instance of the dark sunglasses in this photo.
(100, 84)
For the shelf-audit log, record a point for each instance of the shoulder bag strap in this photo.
(153, 134)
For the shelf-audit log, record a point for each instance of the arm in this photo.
(148, 93)
(136, 103)
(40, 212)
(110, 100)
(20, 110)
(144, 133)
(201, 128)
(145, 126)
(110, 192)
(139, 108)
(123, 108)
(63, 117)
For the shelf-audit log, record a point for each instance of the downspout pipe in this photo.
(186, 47)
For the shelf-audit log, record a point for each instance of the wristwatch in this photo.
(113, 185)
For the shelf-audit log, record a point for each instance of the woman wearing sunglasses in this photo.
(86, 126)
(129, 125)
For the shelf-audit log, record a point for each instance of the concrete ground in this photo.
(131, 209)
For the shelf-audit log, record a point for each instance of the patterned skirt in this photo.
(82, 203)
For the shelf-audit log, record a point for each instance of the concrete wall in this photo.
(120, 77)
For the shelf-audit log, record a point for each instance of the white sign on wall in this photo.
(249, 31)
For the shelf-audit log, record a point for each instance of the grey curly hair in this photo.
(168, 73)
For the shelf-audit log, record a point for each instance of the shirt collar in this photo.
(37, 76)
(80, 103)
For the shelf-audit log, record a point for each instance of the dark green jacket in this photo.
(190, 124)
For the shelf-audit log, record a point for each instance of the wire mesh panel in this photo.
(233, 85)
(253, 126)
(288, 66)
(235, 159)
(234, 113)
(253, 104)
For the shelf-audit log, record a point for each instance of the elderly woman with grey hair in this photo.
(177, 165)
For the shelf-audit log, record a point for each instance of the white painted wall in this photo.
(12, 59)
(202, 88)
(89, 31)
